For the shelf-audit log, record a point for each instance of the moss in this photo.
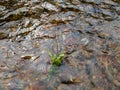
(56, 59)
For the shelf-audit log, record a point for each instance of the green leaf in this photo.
(56, 59)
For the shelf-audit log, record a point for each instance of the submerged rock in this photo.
(86, 31)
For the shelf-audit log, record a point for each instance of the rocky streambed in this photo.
(87, 31)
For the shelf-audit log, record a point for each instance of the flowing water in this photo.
(87, 31)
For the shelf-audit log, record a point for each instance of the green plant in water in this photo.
(56, 59)
(53, 70)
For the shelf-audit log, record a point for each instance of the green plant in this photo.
(56, 59)
(53, 71)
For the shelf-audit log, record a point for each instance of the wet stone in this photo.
(48, 6)
(66, 79)
(86, 31)
(3, 35)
